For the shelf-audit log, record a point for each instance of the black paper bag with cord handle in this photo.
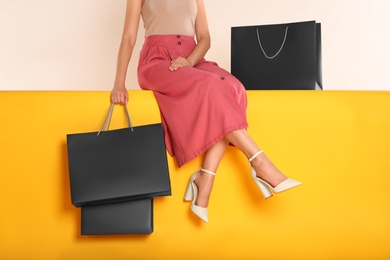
(118, 165)
(277, 56)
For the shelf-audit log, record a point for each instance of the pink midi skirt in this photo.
(199, 105)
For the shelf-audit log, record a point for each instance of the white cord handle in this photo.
(280, 49)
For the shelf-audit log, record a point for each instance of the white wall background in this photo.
(73, 44)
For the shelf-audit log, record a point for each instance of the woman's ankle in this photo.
(267, 171)
(204, 183)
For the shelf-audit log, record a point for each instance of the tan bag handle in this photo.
(107, 119)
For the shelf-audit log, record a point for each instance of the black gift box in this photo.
(119, 218)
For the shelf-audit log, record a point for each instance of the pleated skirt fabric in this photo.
(199, 105)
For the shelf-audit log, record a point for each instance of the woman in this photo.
(203, 107)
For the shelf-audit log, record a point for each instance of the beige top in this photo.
(169, 17)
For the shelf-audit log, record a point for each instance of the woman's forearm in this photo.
(199, 51)
(124, 56)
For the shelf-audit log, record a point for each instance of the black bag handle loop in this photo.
(107, 119)
(280, 49)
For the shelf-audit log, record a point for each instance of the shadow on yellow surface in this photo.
(336, 143)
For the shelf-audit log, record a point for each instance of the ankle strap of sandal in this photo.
(210, 172)
(254, 156)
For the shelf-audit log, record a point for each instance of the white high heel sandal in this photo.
(192, 194)
(265, 187)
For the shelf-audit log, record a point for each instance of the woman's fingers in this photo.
(178, 63)
(119, 97)
(126, 98)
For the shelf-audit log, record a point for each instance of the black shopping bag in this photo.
(278, 56)
(118, 165)
(118, 218)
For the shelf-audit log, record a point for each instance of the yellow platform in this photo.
(336, 143)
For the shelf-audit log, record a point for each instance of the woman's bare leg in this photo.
(263, 166)
(204, 181)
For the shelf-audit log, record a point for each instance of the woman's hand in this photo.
(180, 62)
(119, 95)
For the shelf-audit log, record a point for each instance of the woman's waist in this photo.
(177, 39)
